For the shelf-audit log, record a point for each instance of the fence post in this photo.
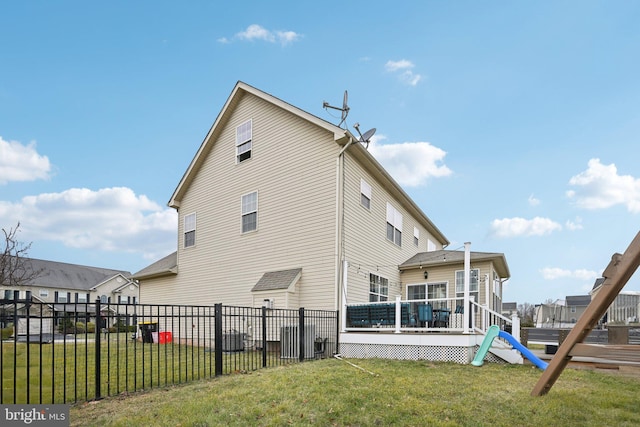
(301, 333)
(217, 339)
(97, 348)
(264, 336)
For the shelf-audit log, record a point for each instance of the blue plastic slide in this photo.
(491, 335)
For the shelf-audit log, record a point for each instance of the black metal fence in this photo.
(65, 353)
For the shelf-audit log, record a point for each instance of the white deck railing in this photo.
(404, 316)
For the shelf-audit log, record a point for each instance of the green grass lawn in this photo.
(406, 393)
(59, 373)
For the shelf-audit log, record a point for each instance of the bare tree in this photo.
(526, 312)
(15, 267)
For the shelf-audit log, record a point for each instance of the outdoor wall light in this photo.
(426, 274)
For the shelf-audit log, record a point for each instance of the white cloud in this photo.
(110, 219)
(403, 64)
(410, 163)
(257, 32)
(600, 187)
(550, 273)
(22, 162)
(514, 227)
(405, 68)
(533, 201)
(574, 225)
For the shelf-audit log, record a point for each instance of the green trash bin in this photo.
(147, 329)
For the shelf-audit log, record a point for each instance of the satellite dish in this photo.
(344, 110)
(364, 138)
(345, 107)
(367, 135)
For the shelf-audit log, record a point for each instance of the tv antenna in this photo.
(364, 137)
(344, 110)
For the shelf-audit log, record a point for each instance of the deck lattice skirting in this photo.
(434, 347)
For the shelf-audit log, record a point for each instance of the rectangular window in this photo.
(430, 245)
(416, 236)
(244, 134)
(82, 298)
(378, 288)
(189, 230)
(250, 212)
(473, 284)
(44, 293)
(394, 225)
(429, 291)
(62, 298)
(365, 194)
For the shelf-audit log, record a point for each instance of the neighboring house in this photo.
(562, 313)
(625, 308)
(68, 288)
(576, 305)
(509, 308)
(282, 209)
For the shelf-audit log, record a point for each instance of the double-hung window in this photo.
(394, 225)
(244, 134)
(416, 236)
(473, 283)
(365, 194)
(378, 288)
(190, 230)
(250, 212)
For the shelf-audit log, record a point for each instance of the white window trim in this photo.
(365, 190)
(458, 293)
(394, 218)
(416, 236)
(244, 138)
(379, 282)
(243, 213)
(44, 293)
(188, 227)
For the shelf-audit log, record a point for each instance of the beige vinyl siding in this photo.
(163, 290)
(447, 274)
(292, 168)
(366, 246)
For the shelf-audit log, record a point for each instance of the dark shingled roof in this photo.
(164, 266)
(577, 300)
(275, 280)
(444, 257)
(55, 274)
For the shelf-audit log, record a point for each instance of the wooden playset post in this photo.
(616, 275)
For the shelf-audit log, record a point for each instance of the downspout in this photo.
(467, 267)
(340, 300)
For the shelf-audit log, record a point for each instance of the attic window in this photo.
(244, 134)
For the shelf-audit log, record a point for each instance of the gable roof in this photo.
(277, 280)
(70, 276)
(165, 266)
(340, 136)
(239, 91)
(578, 300)
(445, 257)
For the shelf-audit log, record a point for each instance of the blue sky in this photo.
(514, 125)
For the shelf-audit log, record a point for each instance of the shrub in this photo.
(91, 327)
(6, 333)
(80, 328)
